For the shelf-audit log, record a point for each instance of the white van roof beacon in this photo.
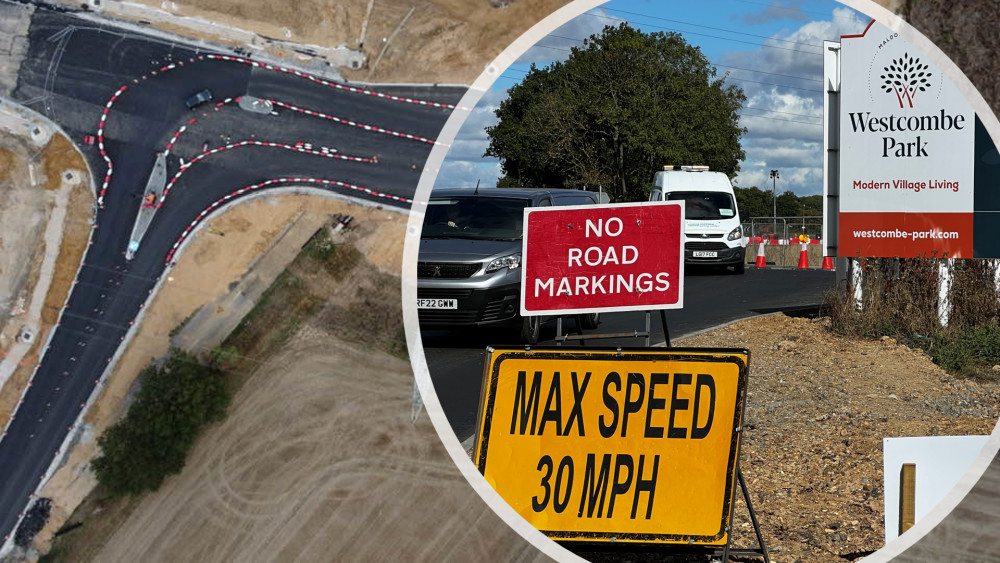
(686, 168)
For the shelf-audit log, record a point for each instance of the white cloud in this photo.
(465, 174)
(777, 11)
(789, 137)
(783, 118)
(787, 177)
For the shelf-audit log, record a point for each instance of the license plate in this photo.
(706, 254)
(437, 303)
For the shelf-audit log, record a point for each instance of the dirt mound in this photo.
(818, 406)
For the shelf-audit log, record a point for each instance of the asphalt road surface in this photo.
(455, 359)
(72, 74)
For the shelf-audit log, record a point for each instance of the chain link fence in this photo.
(780, 236)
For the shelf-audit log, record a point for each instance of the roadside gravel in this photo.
(818, 407)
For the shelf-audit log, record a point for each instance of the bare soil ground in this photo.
(22, 219)
(217, 257)
(24, 210)
(443, 41)
(317, 456)
(817, 409)
(316, 461)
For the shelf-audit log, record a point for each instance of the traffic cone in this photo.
(761, 263)
(803, 257)
(827, 263)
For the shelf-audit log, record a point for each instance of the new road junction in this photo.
(173, 132)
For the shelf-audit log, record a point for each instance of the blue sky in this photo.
(770, 49)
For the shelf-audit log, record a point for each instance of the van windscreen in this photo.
(705, 205)
(475, 217)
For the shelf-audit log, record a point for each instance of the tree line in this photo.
(175, 400)
(755, 202)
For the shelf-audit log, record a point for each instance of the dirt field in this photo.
(25, 210)
(215, 259)
(443, 41)
(817, 410)
(318, 454)
(22, 219)
(316, 460)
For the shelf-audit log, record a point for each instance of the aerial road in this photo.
(163, 160)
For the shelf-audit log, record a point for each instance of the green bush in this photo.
(969, 351)
(174, 402)
(901, 300)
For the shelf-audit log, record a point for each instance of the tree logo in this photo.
(905, 77)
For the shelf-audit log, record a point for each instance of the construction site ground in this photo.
(218, 258)
(818, 406)
(426, 41)
(46, 208)
(318, 454)
(817, 409)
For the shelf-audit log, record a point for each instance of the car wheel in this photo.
(590, 321)
(531, 328)
(739, 268)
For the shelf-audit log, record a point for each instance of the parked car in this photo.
(198, 98)
(468, 271)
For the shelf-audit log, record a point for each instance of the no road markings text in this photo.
(600, 445)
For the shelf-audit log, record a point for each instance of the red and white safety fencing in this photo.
(177, 64)
(364, 126)
(254, 143)
(100, 145)
(104, 117)
(266, 183)
(330, 84)
(177, 135)
(777, 241)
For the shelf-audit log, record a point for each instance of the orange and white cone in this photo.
(803, 257)
(761, 262)
(827, 263)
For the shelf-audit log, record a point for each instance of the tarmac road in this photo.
(72, 70)
(455, 359)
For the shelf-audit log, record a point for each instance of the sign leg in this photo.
(666, 330)
(753, 515)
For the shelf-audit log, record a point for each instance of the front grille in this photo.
(704, 235)
(442, 293)
(493, 310)
(446, 316)
(706, 246)
(446, 270)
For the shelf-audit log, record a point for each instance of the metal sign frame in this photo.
(721, 355)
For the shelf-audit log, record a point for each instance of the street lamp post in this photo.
(774, 199)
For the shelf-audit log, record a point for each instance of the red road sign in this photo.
(590, 258)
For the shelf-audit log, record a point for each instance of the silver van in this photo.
(468, 270)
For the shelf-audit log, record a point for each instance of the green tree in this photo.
(789, 205)
(753, 202)
(615, 112)
(174, 402)
(813, 205)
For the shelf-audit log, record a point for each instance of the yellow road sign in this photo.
(600, 445)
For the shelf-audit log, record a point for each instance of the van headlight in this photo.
(511, 262)
(736, 233)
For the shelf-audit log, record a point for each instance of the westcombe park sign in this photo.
(917, 171)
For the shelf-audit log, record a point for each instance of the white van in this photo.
(712, 231)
